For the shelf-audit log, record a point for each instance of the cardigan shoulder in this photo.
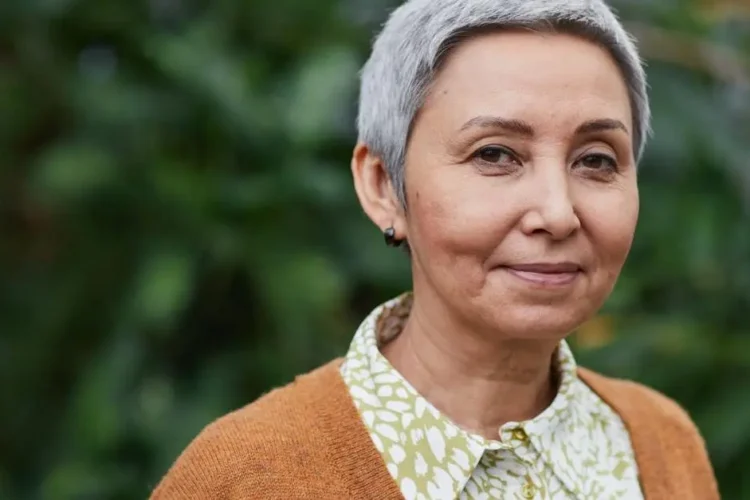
(627, 396)
(307, 441)
(250, 452)
(670, 451)
(669, 411)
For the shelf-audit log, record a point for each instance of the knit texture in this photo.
(307, 441)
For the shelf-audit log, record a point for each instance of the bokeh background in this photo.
(180, 233)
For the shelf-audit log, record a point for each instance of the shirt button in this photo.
(528, 490)
(520, 435)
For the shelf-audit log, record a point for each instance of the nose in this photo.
(551, 208)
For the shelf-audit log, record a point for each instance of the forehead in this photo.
(551, 80)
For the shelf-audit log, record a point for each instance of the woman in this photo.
(499, 139)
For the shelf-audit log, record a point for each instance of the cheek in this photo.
(456, 215)
(612, 220)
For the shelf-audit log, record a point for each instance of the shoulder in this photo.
(669, 449)
(263, 444)
(630, 398)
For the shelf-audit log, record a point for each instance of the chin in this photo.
(539, 322)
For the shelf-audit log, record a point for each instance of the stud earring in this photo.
(390, 237)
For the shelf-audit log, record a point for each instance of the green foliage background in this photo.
(180, 233)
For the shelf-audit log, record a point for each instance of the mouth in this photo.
(552, 274)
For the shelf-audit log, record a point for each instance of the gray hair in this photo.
(408, 52)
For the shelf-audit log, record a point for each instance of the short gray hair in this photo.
(414, 41)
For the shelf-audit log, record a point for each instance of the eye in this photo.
(598, 162)
(496, 156)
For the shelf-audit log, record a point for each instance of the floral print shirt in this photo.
(578, 448)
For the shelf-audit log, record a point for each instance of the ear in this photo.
(376, 192)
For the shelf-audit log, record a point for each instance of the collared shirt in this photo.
(578, 448)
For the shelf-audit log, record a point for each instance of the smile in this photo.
(546, 275)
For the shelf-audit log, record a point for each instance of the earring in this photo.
(390, 237)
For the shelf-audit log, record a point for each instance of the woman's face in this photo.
(521, 183)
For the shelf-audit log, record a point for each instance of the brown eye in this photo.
(599, 162)
(496, 155)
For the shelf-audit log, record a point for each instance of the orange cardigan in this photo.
(307, 441)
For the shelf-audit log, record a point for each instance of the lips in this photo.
(546, 273)
(546, 267)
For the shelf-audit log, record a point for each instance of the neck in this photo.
(477, 381)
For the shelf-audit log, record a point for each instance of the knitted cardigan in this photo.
(307, 441)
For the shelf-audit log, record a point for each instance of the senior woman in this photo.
(499, 139)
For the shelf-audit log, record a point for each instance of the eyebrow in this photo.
(515, 127)
(600, 125)
(524, 129)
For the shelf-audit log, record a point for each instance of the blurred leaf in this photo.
(323, 87)
(724, 420)
(72, 171)
(164, 286)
